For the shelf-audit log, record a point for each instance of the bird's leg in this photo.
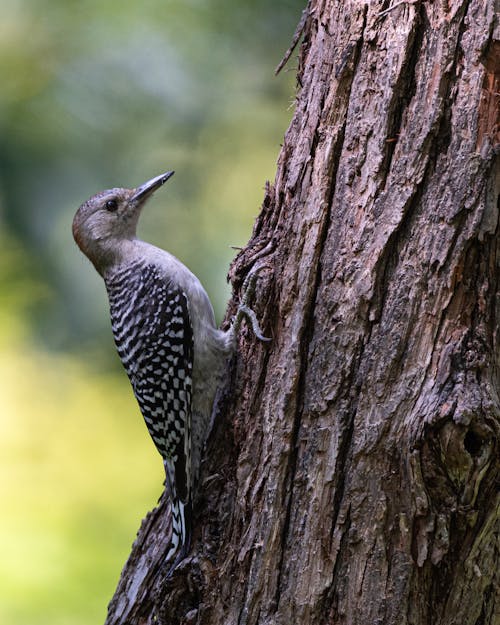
(244, 310)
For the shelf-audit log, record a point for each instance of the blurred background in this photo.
(97, 94)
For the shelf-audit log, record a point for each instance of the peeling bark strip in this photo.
(352, 476)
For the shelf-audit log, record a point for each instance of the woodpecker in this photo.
(164, 329)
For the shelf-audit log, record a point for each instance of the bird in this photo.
(166, 336)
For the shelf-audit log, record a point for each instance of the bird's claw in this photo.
(244, 310)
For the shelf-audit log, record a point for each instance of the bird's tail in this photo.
(181, 514)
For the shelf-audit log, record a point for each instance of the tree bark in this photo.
(352, 473)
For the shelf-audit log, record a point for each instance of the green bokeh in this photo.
(95, 95)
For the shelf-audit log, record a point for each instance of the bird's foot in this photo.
(244, 311)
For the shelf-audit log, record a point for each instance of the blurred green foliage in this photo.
(97, 94)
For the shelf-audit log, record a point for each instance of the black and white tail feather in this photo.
(181, 513)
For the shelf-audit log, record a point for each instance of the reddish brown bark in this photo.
(352, 476)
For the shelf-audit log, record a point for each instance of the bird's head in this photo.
(109, 218)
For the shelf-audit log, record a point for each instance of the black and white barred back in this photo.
(154, 338)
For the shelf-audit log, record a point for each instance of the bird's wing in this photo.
(153, 335)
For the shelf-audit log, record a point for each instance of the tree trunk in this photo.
(352, 474)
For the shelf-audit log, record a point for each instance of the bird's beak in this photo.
(149, 187)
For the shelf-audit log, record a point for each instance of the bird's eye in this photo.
(111, 205)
